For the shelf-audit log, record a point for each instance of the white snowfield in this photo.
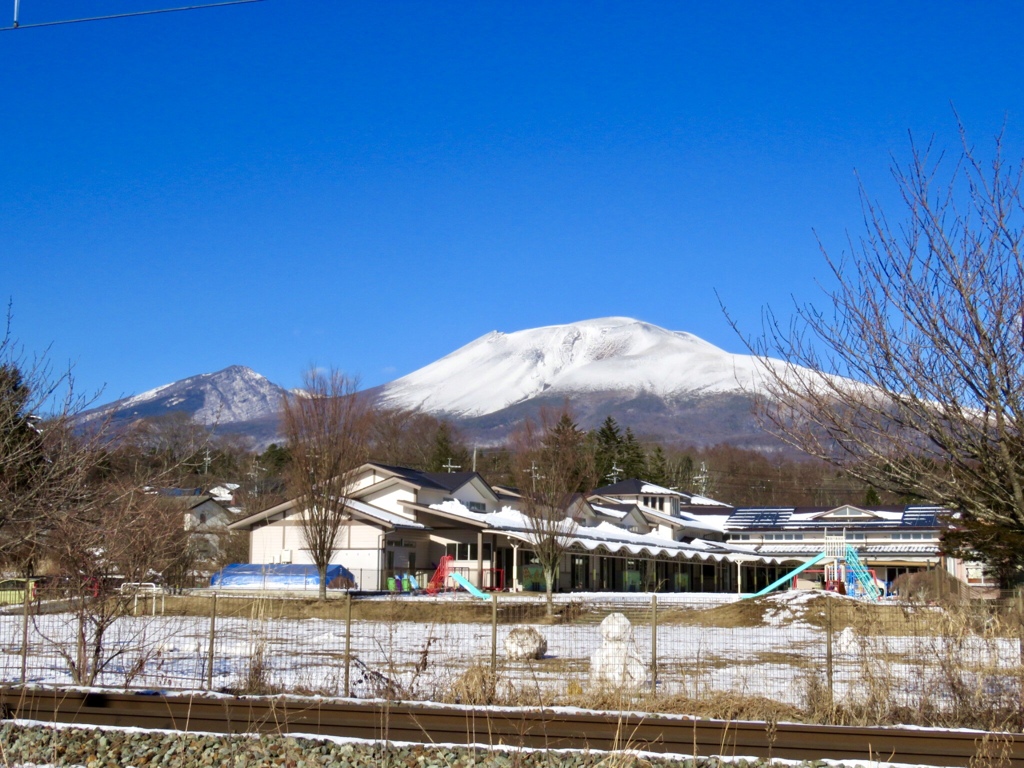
(420, 660)
(611, 354)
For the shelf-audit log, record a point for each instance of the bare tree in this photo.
(554, 463)
(911, 377)
(327, 426)
(123, 534)
(46, 465)
(403, 437)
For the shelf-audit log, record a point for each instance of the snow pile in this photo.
(789, 609)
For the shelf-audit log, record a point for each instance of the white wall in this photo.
(389, 498)
(469, 492)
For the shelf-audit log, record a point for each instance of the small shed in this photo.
(296, 578)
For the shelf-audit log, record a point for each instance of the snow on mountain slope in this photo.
(612, 354)
(233, 395)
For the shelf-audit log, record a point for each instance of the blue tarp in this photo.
(293, 577)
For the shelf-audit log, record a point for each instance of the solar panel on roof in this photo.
(920, 518)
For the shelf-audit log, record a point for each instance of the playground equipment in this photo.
(439, 581)
(467, 585)
(403, 582)
(844, 567)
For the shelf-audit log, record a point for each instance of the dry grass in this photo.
(398, 609)
(744, 613)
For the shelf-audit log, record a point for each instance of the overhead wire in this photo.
(151, 12)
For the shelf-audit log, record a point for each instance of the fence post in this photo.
(348, 641)
(1020, 623)
(494, 633)
(213, 636)
(654, 642)
(828, 652)
(24, 632)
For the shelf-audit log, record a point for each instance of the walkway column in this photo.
(515, 567)
(479, 559)
(739, 578)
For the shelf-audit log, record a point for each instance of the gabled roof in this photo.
(846, 512)
(360, 510)
(414, 476)
(683, 521)
(637, 487)
(438, 481)
(633, 487)
(191, 502)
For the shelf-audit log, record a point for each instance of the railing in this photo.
(798, 650)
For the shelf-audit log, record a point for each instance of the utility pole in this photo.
(255, 473)
(701, 480)
(451, 467)
(534, 474)
(613, 476)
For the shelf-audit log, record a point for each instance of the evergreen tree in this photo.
(657, 467)
(608, 444)
(631, 457)
(447, 448)
(565, 435)
(871, 498)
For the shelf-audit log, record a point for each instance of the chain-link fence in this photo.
(825, 656)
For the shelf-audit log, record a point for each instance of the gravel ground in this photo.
(28, 744)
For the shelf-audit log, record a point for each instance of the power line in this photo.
(17, 25)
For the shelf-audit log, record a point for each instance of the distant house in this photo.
(205, 518)
(670, 513)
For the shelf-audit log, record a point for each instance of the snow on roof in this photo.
(704, 501)
(690, 521)
(382, 515)
(652, 488)
(718, 521)
(608, 511)
(515, 524)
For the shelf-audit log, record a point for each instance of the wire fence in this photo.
(811, 652)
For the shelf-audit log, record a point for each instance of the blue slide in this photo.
(813, 561)
(463, 582)
(413, 584)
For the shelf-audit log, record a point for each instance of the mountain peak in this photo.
(231, 395)
(610, 354)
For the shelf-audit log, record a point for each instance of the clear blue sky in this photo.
(373, 184)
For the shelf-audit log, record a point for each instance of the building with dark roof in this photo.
(890, 541)
(403, 521)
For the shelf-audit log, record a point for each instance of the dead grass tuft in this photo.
(477, 686)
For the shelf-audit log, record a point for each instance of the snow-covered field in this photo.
(780, 658)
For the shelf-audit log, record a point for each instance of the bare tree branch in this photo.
(327, 427)
(554, 463)
(911, 378)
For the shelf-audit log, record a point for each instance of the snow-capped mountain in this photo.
(664, 384)
(612, 355)
(233, 398)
